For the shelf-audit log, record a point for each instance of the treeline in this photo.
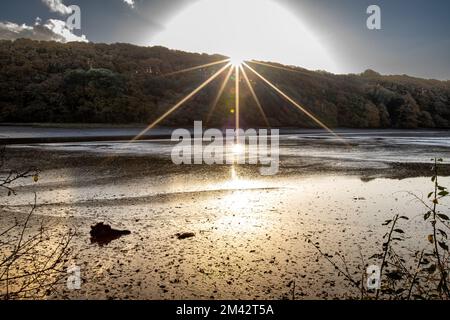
(121, 83)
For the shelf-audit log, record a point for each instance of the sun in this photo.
(237, 61)
(264, 30)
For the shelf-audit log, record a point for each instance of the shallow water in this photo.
(371, 146)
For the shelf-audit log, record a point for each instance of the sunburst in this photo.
(237, 61)
(236, 65)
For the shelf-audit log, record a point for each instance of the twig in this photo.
(386, 250)
(415, 275)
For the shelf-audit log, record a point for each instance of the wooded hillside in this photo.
(122, 83)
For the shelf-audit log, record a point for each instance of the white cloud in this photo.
(51, 30)
(129, 2)
(59, 27)
(58, 6)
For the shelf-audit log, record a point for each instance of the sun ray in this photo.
(305, 111)
(184, 100)
(196, 68)
(255, 97)
(237, 108)
(219, 94)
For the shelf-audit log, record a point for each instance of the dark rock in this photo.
(103, 234)
(185, 235)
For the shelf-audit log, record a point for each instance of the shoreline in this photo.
(16, 134)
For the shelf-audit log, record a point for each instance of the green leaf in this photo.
(443, 216)
(430, 194)
(443, 193)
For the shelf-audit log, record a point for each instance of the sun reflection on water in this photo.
(239, 204)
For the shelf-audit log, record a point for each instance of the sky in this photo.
(330, 35)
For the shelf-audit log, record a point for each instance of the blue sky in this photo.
(414, 40)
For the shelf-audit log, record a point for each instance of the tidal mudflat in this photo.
(247, 232)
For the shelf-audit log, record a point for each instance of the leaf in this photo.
(430, 194)
(443, 245)
(427, 215)
(404, 217)
(443, 193)
(431, 269)
(431, 238)
(442, 233)
(399, 231)
(387, 222)
(395, 275)
(443, 216)
(441, 188)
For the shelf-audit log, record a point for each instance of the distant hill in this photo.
(122, 83)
